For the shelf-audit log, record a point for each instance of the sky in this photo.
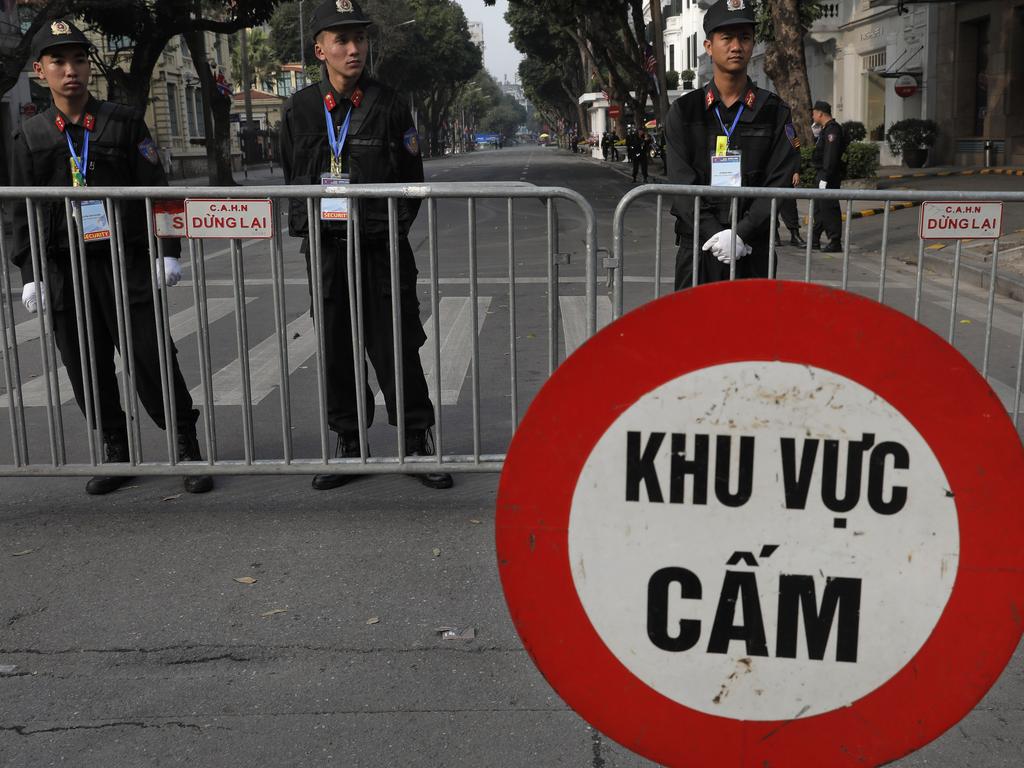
(500, 57)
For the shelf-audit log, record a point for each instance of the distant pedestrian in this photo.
(828, 164)
(606, 145)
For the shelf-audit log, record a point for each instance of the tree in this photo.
(782, 25)
(264, 63)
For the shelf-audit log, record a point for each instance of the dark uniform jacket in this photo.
(828, 155)
(770, 156)
(121, 154)
(382, 147)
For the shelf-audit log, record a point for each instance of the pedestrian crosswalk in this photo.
(455, 321)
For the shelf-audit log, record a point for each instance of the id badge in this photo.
(333, 208)
(727, 171)
(92, 219)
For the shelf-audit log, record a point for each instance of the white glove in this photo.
(169, 271)
(822, 184)
(29, 299)
(720, 246)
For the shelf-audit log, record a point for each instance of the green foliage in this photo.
(264, 63)
(861, 161)
(671, 80)
(284, 33)
(912, 133)
(688, 75)
(810, 12)
(855, 131)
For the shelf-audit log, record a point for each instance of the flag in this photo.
(223, 86)
(650, 63)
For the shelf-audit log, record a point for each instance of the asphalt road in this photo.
(126, 639)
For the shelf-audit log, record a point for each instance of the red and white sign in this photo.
(614, 111)
(961, 221)
(750, 546)
(29, 109)
(906, 86)
(229, 219)
(169, 218)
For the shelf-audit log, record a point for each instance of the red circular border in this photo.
(917, 372)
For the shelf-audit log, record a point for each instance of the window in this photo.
(197, 94)
(284, 84)
(172, 108)
(671, 58)
(190, 110)
(185, 53)
(118, 43)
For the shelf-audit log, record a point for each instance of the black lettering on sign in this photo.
(797, 483)
(855, 451)
(745, 481)
(739, 590)
(797, 596)
(696, 467)
(657, 609)
(876, 478)
(640, 466)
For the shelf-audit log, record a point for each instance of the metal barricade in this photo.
(64, 435)
(1003, 316)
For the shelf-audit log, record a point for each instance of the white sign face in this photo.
(961, 221)
(763, 540)
(169, 218)
(230, 219)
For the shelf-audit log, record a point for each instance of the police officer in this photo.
(351, 128)
(81, 141)
(828, 164)
(730, 133)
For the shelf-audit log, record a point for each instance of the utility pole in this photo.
(246, 132)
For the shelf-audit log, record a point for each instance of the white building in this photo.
(683, 36)
(476, 34)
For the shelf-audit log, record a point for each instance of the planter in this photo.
(915, 158)
(687, 85)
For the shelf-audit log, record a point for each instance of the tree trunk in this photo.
(786, 64)
(661, 103)
(216, 122)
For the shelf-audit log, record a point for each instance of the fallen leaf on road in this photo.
(22, 553)
(245, 579)
(8, 669)
(474, 521)
(965, 322)
(373, 620)
(297, 334)
(437, 552)
(455, 633)
(171, 498)
(274, 612)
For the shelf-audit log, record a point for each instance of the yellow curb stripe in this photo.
(936, 247)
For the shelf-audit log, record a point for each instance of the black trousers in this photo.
(713, 271)
(105, 342)
(828, 218)
(377, 335)
(789, 216)
(640, 164)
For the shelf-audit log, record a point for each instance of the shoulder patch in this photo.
(411, 142)
(791, 134)
(831, 136)
(147, 148)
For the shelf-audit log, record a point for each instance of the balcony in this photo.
(833, 16)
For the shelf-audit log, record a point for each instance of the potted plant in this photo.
(688, 75)
(912, 138)
(671, 80)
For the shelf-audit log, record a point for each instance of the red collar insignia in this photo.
(59, 122)
(89, 122)
(750, 98)
(330, 102)
(709, 99)
(357, 97)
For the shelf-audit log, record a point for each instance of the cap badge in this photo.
(344, 6)
(60, 28)
(735, 5)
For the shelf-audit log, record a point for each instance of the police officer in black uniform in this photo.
(730, 133)
(828, 164)
(351, 128)
(81, 141)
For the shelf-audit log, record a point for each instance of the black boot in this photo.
(795, 238)
(834, 246)
(115, 451)
(346, 448)
(420, 442)
(188, 450)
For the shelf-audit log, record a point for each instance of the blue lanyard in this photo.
(729, 131)
(83, 161)
(337, 140)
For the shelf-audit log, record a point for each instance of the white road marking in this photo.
(182, 324)
(574, 319)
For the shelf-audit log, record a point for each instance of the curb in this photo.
(1012, 171)
(874, 211)
(1007, 286)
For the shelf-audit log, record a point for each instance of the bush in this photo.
(855, 131)
(688, 76)
(671, 80)
(912, 133)
(861, 163)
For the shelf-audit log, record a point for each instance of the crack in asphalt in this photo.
(24, 730)
(231, 651)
